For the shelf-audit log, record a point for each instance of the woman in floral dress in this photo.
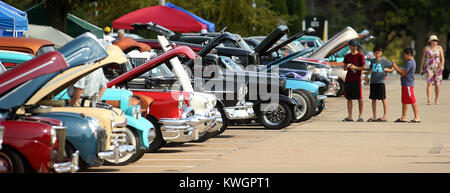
(432, 65)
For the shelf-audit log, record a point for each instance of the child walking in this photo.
(378, 68)
(407, 82)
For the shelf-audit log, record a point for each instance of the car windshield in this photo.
(45, 49)
(230, 64)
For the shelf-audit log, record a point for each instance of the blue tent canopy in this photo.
(13, 22)
(211, 26)
(21, 13)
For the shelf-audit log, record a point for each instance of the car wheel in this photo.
(134, 140)
(11, 161)
(340, 92)
(276, 115)
(306, 111)
(226, 122)
(158, 142)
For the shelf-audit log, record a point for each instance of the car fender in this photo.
(143, 127)
(305, 85)
(78, 134)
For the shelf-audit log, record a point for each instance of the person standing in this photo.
(378, 68)
(120, 34)
(354, 63)
(432, 65)
(407, 82)
(88, 89)
(107, 38)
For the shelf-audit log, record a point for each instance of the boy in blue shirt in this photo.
(378, 68)
(407, 82)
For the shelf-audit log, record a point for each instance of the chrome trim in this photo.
(2, 131)
(123, 124)
(66, 167)
(321, 97)
(243, 111)
(61, 137)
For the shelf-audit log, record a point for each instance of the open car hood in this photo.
(84, 49)
(72, 75)
(271, 40)
(13, 83)
(336, 43)
(143, 68)
(128, 44)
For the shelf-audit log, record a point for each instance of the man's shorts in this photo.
(408, 95)
(352, 90)
(377, 91)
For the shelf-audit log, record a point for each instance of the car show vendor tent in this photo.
(210, 26)
(13, 22)
(167, 17)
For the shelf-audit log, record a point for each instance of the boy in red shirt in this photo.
(354, 63)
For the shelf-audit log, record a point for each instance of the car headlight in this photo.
(53, 135)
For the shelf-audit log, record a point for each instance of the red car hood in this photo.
(141, 69)
(38, 66)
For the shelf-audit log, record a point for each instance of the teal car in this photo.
(143, 128)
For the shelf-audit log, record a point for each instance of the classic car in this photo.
(106, 134)
(27, 45)
(227, 72)
(12, 58)
(35, 144)
(178, 113)
(137, 58)
(128, 44)
(245, 57)
(140, 131)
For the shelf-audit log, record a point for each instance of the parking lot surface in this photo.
(322, 144)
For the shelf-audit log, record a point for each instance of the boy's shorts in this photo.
(408, 95)
(377, 91)
(352, 90)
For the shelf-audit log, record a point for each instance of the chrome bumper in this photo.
(243, 111)
(321, 97)
(179, 130)
(116, 150)
(66, 167)
(333, 88)
(210, 123)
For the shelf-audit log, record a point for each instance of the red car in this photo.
(30, 143)
(35, 144)
(172, 110)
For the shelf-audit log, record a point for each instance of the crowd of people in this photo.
(432, 64)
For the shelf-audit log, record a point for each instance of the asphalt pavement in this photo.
(322, 144)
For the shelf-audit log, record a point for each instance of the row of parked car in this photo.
(155, 95)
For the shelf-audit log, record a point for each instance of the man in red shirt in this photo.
(354, 63)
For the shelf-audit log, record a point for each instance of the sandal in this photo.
(347, 120)
(381, 120)
(372, 120)
(360, 120)
(414, 121)
(400, 121)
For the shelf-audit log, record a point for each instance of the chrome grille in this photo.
(61, 136)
